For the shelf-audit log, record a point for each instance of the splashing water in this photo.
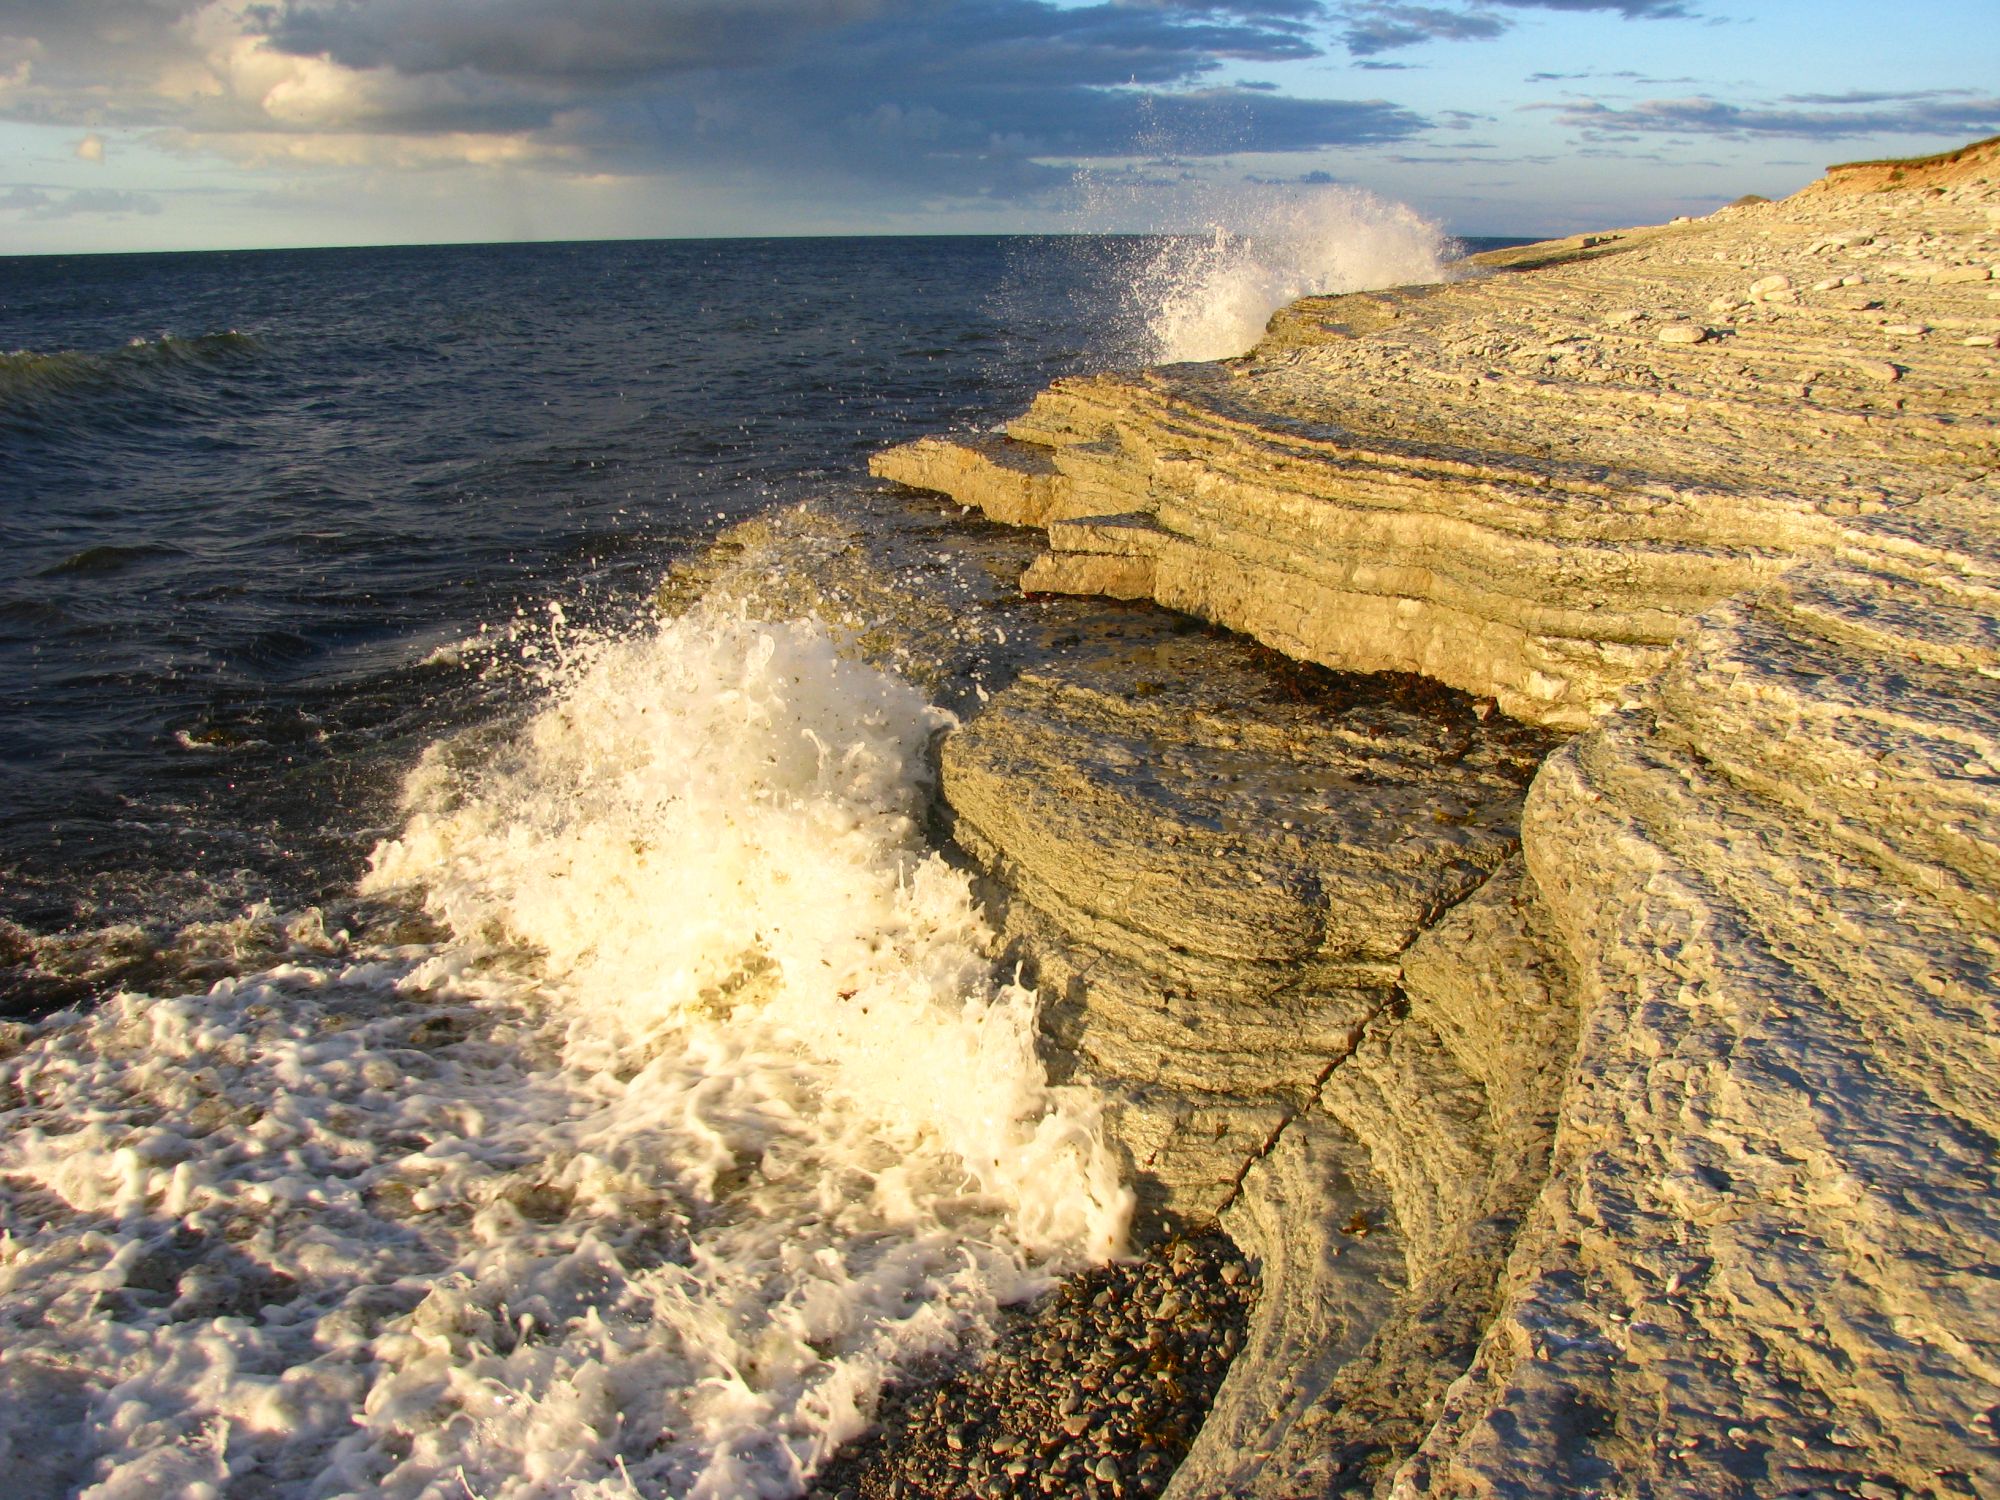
(706, 1118)
(1208, 295)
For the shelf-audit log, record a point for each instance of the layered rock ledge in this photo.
(1640, 1135)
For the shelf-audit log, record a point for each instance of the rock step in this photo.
(1011, 482)
(1896, 760)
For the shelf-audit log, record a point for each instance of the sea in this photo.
(464, 1031)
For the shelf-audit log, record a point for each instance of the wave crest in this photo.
(29, 376)
(1208, 295)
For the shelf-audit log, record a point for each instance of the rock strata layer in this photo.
(1658, 1157)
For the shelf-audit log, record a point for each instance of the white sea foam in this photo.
(708, 1117)
(1207, 292)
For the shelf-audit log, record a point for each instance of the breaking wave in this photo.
(28, 377)
(1209, 293)
(686, 1112)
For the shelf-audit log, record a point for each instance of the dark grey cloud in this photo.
(1631, 10)
(1297, 11)
(531, 40)
(1376, 26)
(91, 60)
(1857, 96)
(1385, 27)
(1954, 114)
(929, 97)
(629, 40)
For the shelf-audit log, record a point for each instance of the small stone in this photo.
(1868, 1489)
(1766, 287)
(1907, 328)
(1952, 275)
(1878, 369)
(1982, 341)
(1075, 1423)
(1682, 333)
(1106, 1470)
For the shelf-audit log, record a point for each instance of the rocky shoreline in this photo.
(1097, 1390)
(1597, 1060)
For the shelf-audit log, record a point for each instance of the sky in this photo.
(217, 124)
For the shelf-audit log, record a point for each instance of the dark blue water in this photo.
(243, 496)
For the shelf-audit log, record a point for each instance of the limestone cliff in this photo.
(1638, 1138)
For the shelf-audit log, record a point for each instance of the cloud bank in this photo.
(909, 98)
(1375, 26)
(1943, 112)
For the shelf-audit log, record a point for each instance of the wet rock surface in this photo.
(1097, 1390)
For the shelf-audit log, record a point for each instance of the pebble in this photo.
(1683, 333)
(1096, 1390)
(1878, 369)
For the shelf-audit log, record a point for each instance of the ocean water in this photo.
(466, 1034)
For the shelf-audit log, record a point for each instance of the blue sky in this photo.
(170, 124)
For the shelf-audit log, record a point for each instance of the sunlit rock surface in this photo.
(1659, 1159)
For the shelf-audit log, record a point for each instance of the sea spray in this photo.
(1238, 256)
(706, 1118)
